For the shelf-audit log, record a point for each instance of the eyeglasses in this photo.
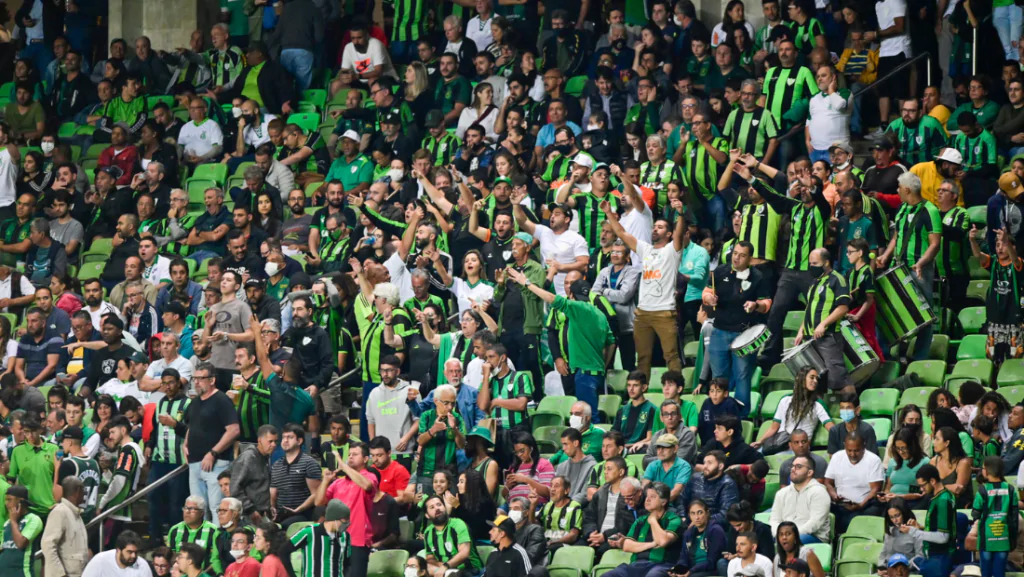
(223, 510)
(187, 508)
(447, 403)
(670, 414)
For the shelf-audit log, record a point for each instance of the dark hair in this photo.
(476, 497)
(720, 382)
(993, 466)
(953, 444)
(944, 418)
(740, 512)
(983, 424)
(528, 440)
(341, 420)
(126, 538)
(108, 401)
(730, 422)
(673, 377)
(928, 472)
(292, 428)
(780, 550)
(933, 399)
(908, 436)
(905, 512)
(616, 437)
(572, 435)
(195, 552)
(1002, 406)
(280, 546)
(225, 474)
(718, 455)
(380, 442)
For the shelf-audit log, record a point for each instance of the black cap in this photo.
(505, 524)
(391, 117)
(254, 282)
(175, 307)
(434, 119)
(883, 144)
(73, 432)
(301, 279)
(18, 491)
(114, 321)
(565, 208)
(170, 373)
(115, 172)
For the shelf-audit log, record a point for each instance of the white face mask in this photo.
(677, 20)
(46, 147)
(271, 268)
(516, 516)
(395, 175)
(237, 554)
(236, 112)
(576, 421)
(593, 127)
(410, 572)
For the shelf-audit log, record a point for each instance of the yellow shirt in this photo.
(942, 114)
(930, 181)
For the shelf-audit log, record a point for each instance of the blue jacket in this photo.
(465, 402)
(714, 545)
(149, 325)
(719, 494)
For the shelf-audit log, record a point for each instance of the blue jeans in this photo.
(39, 54)
(641, 569)
(855, 123)
(299, 62)
(939, 565)
(363, 432)
(200, 255)
(715, 210)
(808, 539)
(235, 161)
(1007, 20)
(993, 564)
(817, 155)
(587, 386)
(725, 363)
(402, 52)
(204, 484)
(166, 501)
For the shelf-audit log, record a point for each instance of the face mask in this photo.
(237, 554)
(618, 45)
(46, 147)
(847, 415)
(915, 428)
(236, 112)
(677, 20)
(271, 268)
(562, 149)
(395, 175)
(817, 271)
(516, 516)
(410, 572)
(250, 118)
(593, 127)
(576, 421)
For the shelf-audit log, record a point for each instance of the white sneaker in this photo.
(876, 135)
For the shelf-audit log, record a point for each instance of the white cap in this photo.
(951, 155)
(583, 160)
(351, 135)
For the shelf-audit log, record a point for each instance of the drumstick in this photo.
(713, 307)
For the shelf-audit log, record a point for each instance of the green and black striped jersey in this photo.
(941, 517)
(640, 532)
(978, 152)
(919, 143)
(440, 450)
(656, 177)
(597, 475)
(914, 222)
(591, 217)
(167, 441)
(442, 543)
(809, 223)
(635, 421)
(861, 283)
(409, 21)
(759, 225)
(514, 385)
(701, 171)
(441, 150)
(560, 521)
(751, 131)
(952, 257)
(371, 334)
(826, 294)
(322, 555)
(253, 407)
(804, 34)
(204, 535)
(785, 86)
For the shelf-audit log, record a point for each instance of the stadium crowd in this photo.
(560, 288)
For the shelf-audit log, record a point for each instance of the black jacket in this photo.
(275, 84)
(596, 510)
(69, 97)
(114, 271)
(53, 18)
(313, 347)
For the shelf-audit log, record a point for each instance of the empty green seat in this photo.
(878, 402)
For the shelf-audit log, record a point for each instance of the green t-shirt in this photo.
(591, 445)
(716, 80)
(33, 468)
(978, 152)
(590, 334)
(12, 232)
(117, 110)
(15, 561)
(238, 22)
(23, 123)
(640, 532)
(440, 449)
(443, 544)
(351, 173)
(996, 506)
(986, 115)
(448, 94)
(635, 421)
(849, 230)
(251, 90)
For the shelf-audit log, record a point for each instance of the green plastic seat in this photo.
(972, 319)
(770, 489)
(575, 85)
(308, 121)
(558, 404)
(688, 378)
(864, 527)
(977, 291)
(317, 96)
(580, 559)
(792, 323)
(91, 270)
(978, 215)
(1013, 395)
(878, 402)
(549, 439)
(637, 460)
(771, 403)
(67, 130)
(820, 438)
(915, 395)
(886, 372)
(387, 563)
(610, 560)
(1010, 373)
(690, 349)
(953, 384)
(296, 527)
(215, 172)
(972, 347)
(823, 551)
(882, 427)
(748, 431)
(95, 151)
(931, 373)
(484, 551)
(546, 419)
(608, 406)
(980, 369)
(616, 381)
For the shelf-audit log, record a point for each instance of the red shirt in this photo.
(359, 503)
(393, 478)
(272, 567)
(126, 161)
(247, 567)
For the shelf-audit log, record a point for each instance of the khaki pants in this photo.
(648, 324)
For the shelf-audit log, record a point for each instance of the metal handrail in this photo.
(799, 128)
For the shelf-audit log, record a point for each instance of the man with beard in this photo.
(296, 230)
(920, 136)
(980, 165)
(497, 249)
(334, 248)
(387, 414)
(453, 92)
(241, 256)
(126, 246)
(249, 393)
(255, 184)
(140, 316)
(335, 201)
(880, 179)
(310, 344)
(124, 559)
(438, 142)
(63, 228)
(38, 351)
(475, 152)
(447, 542)
(951, 261)
(425, 235)
(153, 181)
(562, 249)
(132, 273)
(601, 256)
(262, 306)
(181, 289)
(587, 186)
(92, 292)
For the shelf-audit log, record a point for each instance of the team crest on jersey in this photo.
(755, 122)
(821, 289)
(919, 139)
(643, 418)
(562, 522)
(448, 546)
(977, 150)
(745, 285)
(506, 254)
(444, 146)
(790, 81)
(857, 233)
(949, 220)
(202, 135)
(760, 209)
(354, 169)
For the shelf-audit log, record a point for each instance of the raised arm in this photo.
(680, 230)
(436, 196)
(613, 221)
(517, 210)
(409, 236)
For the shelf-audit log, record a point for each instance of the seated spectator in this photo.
(704, 541)
(123, 559)
(121, 153)
(38, 352)
(849, 412)
(474, 504)
(800, 445)
(194, 530)
(670, 414)
(206, 238)
(906, 457)
(635, 419)
(669, 468)
(741, 520)
(717, 404)
(126, 246)
(804, 502)
(245, 565)
(560, 507)
(71, 92)
(577, 466)
(746, 556)
(910, 416)
(649, 559)
(394, 478)
(56, 320)
(788, 545)
(294, 479)
(854, 479)
(529, 472)
(124, 384)
(25, 116)
(607, 512)
(201, 140)
(181, 289)
(802, 410)
(192, 559)
(729, 440)
(156, 76)
(910, 543)
(229, 519)
(140, 316)
(715, 489)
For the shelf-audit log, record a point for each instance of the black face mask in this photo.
(562, 149)
(250, 119)
(618, 45)
(816, 271)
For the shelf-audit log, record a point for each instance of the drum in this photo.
(803, 355)
(751, 340)
(902, 309)
(861, 360)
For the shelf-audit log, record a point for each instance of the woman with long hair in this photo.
(861, 281)
(703, 541)
(636, 148)
(481, 111)
(499, 28)
(822, 169)
(743, 42)
(478, 441)
(474, 504)
(34, 180)
(273, 544)
(104, 409)
(66, 294)
(734, 17)
(267, 215)
(8, 347)
(527, 65)
(905, 458)
(788, 548)
(910, 417)
(954, 466)
(529, 472)
(472, 287)
(457, 344)
(802, 410)
(807, 31)
(898, 539)
(942, 418)
(417, 92)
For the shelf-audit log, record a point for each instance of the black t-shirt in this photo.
(216, 414)
(103, 365)
(733, 293)
(460, 241)
(421, 361)
(497, 255)
(510, 562)
(251, 263)
(737, 453)
(384, 517)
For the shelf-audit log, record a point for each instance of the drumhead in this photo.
(790, 353)
(748, 336)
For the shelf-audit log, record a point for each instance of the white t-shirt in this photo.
(360, 62)
(760, 560)
(658, 280)
(10, 353)
(200, 139)
(105, 565)
(400, 276)
(480, 292)
(25, 286)
(8, 178)
(254, 136)
(119, 390)
(159, 271)
(887, 12)
(562, 248)
(104, 309)
(808, 424)
(480, 32)
(156, 368)
(639, 224)
(853, 481)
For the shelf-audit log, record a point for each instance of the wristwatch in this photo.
(527, 283)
